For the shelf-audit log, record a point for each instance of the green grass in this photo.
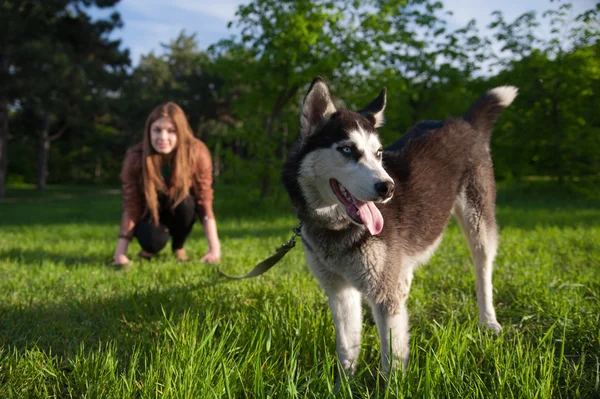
(72, 327)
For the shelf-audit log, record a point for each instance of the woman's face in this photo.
(163, 135)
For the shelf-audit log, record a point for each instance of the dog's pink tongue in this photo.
(371, 217)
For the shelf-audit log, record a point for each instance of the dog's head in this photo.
(340, 171)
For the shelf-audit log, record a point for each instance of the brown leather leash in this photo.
(268, 263)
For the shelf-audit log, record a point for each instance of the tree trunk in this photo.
(44, 153)
(284, 142)
(266, 169)
(217, 161)
(414, 106)
(284, 97)
(415, 115)
(3, 123)
(557, 140)
(98, 169)
(266, 184)
(3, 143)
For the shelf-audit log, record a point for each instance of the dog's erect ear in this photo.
(374, 111)
(317, 107)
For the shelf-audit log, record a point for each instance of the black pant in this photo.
(176, 223)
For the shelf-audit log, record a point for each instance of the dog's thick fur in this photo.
(335, 175)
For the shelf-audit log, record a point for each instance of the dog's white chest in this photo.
(350, 260)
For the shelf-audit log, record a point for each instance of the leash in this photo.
(268, 263)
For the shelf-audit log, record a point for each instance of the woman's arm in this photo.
(203, 193)
(132, 203)
(214, 246)
(125, 235)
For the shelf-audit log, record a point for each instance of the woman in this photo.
(166, 181)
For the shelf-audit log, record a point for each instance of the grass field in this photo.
(70, 326)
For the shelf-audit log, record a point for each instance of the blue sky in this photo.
(148, 23)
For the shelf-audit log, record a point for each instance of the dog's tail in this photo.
(483, 114)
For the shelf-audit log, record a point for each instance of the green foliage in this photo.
(420, 59)
(242, 96)
(73, 327)
(282, 46)
(180, 73)
(554, 122)
(62, 69)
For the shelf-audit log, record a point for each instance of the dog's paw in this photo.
(494, 326)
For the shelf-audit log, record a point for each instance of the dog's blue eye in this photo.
(379, 153)
(347, 150)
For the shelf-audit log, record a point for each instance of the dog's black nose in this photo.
(385, 189)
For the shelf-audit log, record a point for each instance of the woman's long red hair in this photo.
(180, 163)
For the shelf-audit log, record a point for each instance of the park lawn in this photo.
(71, 326)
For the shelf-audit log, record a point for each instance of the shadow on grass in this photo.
(88, 209)
(54, 191)
(103, 206)
(524, 205)
(131, 320)
(527, 205)
(234, 233)
(35, 257)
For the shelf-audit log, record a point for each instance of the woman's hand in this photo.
(120, 259)
(214, 246)
(212, 256)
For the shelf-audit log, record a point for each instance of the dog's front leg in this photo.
(392, 326)
(345, 304)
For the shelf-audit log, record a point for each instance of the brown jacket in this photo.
(133, 193)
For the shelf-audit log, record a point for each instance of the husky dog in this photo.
(370, 215)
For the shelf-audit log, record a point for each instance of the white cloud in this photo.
(465, 10)
(146, 36)
(222, 9)
(151, 22)
(481, 11)
(148, 23)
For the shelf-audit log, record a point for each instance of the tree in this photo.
(558, 76)
(425, 65)
(57, 63)
(282, 46)
(182, 72)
